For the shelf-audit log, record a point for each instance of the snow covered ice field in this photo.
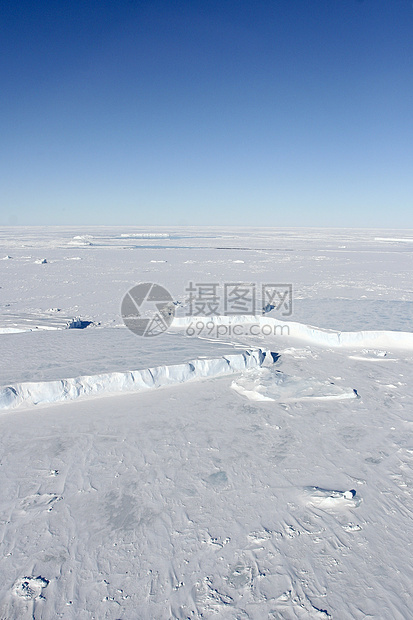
(242, 477)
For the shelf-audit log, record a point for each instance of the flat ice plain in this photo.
(225, 475)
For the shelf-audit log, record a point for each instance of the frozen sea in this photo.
(227, 473)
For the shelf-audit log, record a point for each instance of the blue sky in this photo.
(231, 112)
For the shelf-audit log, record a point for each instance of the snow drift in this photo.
(30, 323)
(269, 384)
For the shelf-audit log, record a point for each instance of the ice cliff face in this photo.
(268, 326)
(42, 392)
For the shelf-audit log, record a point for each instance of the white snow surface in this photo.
(271, 486)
